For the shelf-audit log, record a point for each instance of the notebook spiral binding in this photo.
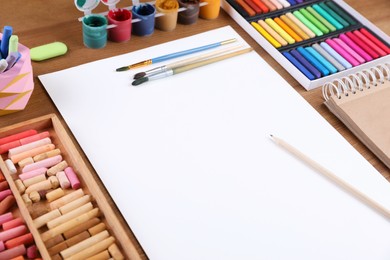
(358, 81)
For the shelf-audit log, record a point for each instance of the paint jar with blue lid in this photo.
(144, 19)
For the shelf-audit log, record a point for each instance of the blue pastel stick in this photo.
(292, 2)
(305, 63)
(322, 60)
(299, 65)
(335, 55)
(324, 71)
(7, 32)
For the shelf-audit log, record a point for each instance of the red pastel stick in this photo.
(370, 43)
(5, 147)
(262, 6)
(25, 239)
(13, 223)
(362, 45)
(17, 136)
(375, 40)
(252, 4)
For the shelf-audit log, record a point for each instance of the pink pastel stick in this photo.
(32, 252)
(13, 223)
(5, 193)
(349, 50)
(13, 232)
(7, 146)
(342, 52)
(355, 47)
(46, 163)
(28, 146)
(17, 136)
(13, 252)
(72, 177)
(34, 138)
(33, 173)
(6, 217)
(2, 246)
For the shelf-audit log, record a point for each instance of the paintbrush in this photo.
(190, 66)
(174, 55)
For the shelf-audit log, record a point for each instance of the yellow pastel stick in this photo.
(295, 27)
(266, 35)
(272, 32)
(280, 30)
(301, 25)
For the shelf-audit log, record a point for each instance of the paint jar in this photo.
(167, 14)
(210, 10)
(145, 13)
(95, 31)
(122, 19)
(191, 12)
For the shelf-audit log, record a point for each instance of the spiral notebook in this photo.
(362, 102)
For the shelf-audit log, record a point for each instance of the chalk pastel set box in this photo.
(51, 205)
(315, 41)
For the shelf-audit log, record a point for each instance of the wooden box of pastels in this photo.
(316, 41)
(51, 206)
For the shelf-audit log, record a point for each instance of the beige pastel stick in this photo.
(26, 199)
(55, 183)
(20, 186)
(57, 248)
(104, 255)
(77, 238)
(32, 153)
(84, 244)
(25, 161)
(33, 180)
(70, 215)
(42, 220)
(55, 194)
(66, 199)
(43, 185)
(75, 204)
(93, 250)
(81, 228)
(54, 241)
(63, 179)
(97, 229)
(272, 32)
(56, 168)
(115, 252)
(45, 155)
(301, 25)
(29, 146)
(70, 224)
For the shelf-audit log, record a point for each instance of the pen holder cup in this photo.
(95, 31)
(16, 84)
(168, 19)
(122, 19)
(190, 14)
(210, 11)
(145, 14)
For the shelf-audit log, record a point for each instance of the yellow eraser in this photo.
(48, 51)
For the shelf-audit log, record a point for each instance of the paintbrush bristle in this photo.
(123, 68)
(139, 75)
(140, 81)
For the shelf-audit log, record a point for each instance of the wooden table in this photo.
(40, 21)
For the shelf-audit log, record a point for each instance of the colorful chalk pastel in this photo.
(276, 4)
(7, 146)
(115, 252)
(371, 44)
(4, 185)
(81, 228)
(261, 5)
(66, 199)
(321, 19)
(328, 57)
(13, 232)
(70, 215)
(270, 5)
(324, 71)
(314, 21)
(5, 193)
(33, 138)
(341, 13)
(309, 24)
(97, 229)
(301, 25)
(335, 55)
(306, 63)
(272, 32)
(25, 161)
(328, 17)
(12, 223)
(284, 3)
(375, 40)
(10, 166)
(334, 14)
(42, 185)
(17, 136)
(33, 173)
(342, 52)
(85, 244)
(33, 152)
(292, 2)
(46, 163)
(30, 181)
(299, 65)
(75, 204)
(279, 30)
(13, 252)
(6, 217)
(322, 59)
(55, 194)
(45, 155)
(362, 45)
(72, 177)
(266, 35)
(43, 219)
(28, 146)
(349, 50)
(253, 6)
(25, 239)
(64, 181)
(246, 7)
(32, 252)
(294, 27)
(56, 168)
(355, 47)
(288, 30)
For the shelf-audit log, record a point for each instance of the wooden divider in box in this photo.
(42, 234)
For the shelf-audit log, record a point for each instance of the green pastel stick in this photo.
(314, 21)
(321, 19)
(334, 14)
(341, 12)
(306, 22)
(328, 17)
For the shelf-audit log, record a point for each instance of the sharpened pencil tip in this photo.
(139, 75)
(123, 68)
(139, 81)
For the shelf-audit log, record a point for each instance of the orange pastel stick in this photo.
(246, 7)
(288, 29)
(262, 6)
(25, 239)
(252, 4)
(270, 5)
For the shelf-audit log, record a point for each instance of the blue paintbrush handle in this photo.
(190, 51)
(7, 32)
